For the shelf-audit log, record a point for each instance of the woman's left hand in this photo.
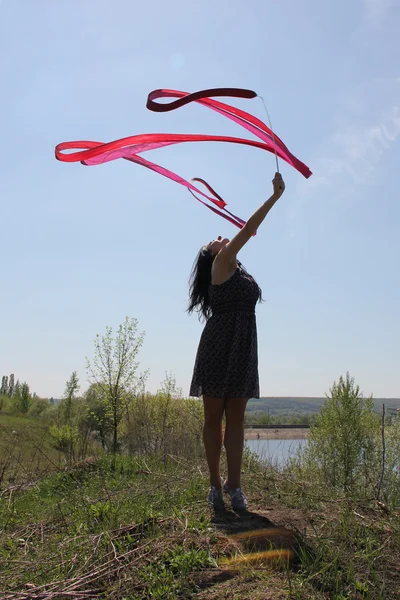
(279, 185)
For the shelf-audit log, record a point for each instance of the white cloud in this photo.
(355, 151)
(358, 150)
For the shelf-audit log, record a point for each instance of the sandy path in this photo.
(285, 434)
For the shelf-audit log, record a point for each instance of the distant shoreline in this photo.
(266, 434)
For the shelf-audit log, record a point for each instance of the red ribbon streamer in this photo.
(129, 148)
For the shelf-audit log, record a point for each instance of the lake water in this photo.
(276, 451)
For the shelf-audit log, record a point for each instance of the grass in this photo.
(26, 451)
(140, 528)
(90, 524)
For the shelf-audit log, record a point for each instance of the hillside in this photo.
(284, 405)
(137, 526)
(77, 534)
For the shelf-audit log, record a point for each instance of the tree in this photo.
(4, 385)
(343, 438)
(21, 398)
(97, 416)
(26, 400)
(7, 385)
(11, 386)
(114, 369)
(170, 388)
(71, 388)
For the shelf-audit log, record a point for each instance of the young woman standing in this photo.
(226, 367)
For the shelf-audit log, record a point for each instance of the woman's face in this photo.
(216, 245)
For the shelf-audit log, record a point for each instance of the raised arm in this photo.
(228, 253)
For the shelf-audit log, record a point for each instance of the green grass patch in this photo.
(134, 528)
(26, 450)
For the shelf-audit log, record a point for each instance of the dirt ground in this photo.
(274, 434)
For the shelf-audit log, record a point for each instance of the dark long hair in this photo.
(200, 281)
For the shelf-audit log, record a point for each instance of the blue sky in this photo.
(82, 247)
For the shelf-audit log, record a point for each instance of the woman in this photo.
(226, 367)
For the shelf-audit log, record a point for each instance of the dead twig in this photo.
(62, 515)
(70, 587)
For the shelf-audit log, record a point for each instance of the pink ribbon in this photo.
(129, 148)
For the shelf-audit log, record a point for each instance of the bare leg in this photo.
(212, 436)
(234, 438)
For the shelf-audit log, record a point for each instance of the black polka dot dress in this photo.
(227, 357)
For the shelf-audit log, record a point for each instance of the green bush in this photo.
(93, 416)
(38, 407)
(164, 425)
(343, 449)
(4, 402)
(65, 439)
(391, 477)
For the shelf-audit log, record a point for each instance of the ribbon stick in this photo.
(272, 142)
(93, 153)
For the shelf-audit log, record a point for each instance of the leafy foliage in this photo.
(343, 442)
(71, 389)
(114, 369)
(22, 399)
(65, 439)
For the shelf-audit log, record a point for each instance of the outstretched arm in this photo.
(229, 252)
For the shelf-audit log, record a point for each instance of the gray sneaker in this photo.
(215, 497)
(238, 498)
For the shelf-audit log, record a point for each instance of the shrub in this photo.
(38, 407)
(164, 425)
(65, 439)
(343, 446)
